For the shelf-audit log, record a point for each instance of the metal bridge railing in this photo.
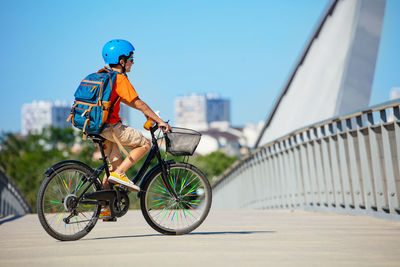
(345, 164)
(11, 200)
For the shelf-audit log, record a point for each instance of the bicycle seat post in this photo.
(100, 141)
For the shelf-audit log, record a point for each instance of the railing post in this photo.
(354, 164)
(377, 172)
(339, 200)
(388, 164)
(343, 165)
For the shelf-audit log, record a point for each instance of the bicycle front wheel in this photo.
(59, 212)
(171, 216)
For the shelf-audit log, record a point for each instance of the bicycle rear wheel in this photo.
(59, 213)
(169, 216)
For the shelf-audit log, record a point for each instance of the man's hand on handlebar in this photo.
(164, 126)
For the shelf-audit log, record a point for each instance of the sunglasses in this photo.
(130, 59)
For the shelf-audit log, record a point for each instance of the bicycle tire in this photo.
(55, 192)
(167, 216)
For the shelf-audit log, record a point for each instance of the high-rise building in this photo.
(218, 109)
(199, 111)
(40, 114)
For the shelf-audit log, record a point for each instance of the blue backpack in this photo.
(92, 105)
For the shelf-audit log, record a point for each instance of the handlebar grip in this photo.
(154, 128)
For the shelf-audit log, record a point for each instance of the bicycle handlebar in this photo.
(154, 128)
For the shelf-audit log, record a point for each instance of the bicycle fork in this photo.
(164, 168)
(164, 176)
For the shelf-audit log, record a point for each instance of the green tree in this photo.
(213, 164)
(26, 158)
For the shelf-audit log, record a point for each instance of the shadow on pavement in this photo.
(231, 233)
(195, 233)
(9, 218)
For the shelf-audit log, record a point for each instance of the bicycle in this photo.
(175, 197)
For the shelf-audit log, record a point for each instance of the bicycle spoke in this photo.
(188, 183)
(65, 184)
(170, 214)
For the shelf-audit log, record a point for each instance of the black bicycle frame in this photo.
(154, 152)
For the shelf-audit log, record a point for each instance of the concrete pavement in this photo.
(226, 238)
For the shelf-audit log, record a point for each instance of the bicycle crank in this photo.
(119, 205)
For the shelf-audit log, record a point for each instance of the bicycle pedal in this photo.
(112, 219)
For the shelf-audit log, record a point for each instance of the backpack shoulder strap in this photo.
(111, 73)
(107, 70)
(121, 147)
(113, 76)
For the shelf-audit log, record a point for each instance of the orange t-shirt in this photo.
(123, 88)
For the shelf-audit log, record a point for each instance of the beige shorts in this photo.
(127, 136)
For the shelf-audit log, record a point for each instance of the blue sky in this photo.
(241, 50)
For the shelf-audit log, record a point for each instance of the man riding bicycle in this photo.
(175, 197)
(118, 54)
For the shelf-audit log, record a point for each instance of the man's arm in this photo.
(139, 104)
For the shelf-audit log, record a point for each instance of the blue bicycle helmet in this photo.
(113, 49)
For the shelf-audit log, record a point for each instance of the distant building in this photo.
(395, 93)
(199, 111)
(233, 141)
(225, 140)
(210, 115)
(40, 114)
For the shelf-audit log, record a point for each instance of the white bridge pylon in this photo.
(334, 74)
(322, 147)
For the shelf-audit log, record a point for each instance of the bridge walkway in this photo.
(227, 238)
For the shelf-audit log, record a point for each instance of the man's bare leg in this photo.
(134, 156)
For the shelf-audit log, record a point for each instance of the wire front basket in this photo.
(181, 141)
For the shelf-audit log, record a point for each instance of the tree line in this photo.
(26, 158)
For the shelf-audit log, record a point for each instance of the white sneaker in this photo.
(122, 179)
